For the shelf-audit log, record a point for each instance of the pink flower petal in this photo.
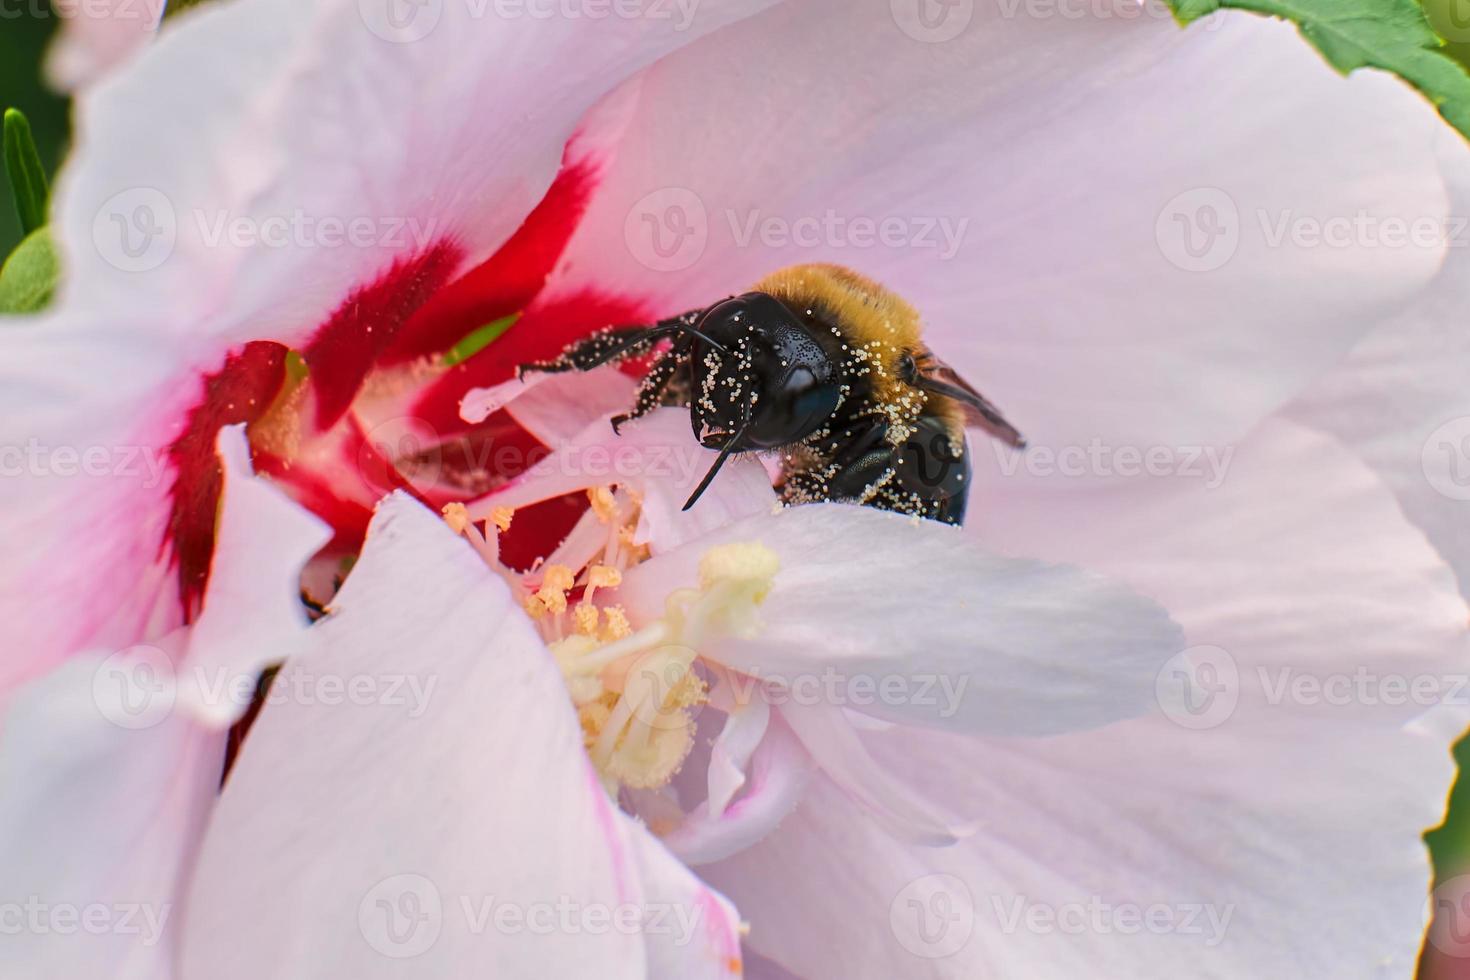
(658, 457)
(1026, 184)
(98, 35)
(911, 621)
(103, 808)
(453, 787)
(780, 769)
(253, 614)
(1402, 399)
(172, 259)
(1299, 820)
(109, 773)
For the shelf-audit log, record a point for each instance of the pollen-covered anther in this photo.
(615, 625)
(604, 505)
(457, 516)
(635, 691)
(585, 619)
(604, 577)
(501, 517)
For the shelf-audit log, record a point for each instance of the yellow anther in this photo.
(741, 561)
(604, 577)
(585, 618)
(535, 608)
(649, 757)
(554, 600)
(501, 517)
(558, 577)
(457, 516)
(689, 691)
(603, 504)
(615, 624)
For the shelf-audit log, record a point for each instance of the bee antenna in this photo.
(696, 332)
(725, 454)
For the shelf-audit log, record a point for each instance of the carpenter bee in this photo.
(826, 368)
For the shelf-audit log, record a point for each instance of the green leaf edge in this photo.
(1425, 64)
(27, 177)
(29, 276)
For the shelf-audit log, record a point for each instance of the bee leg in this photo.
(597, 350)
(651, 391)
(612, 344)
(862, 462)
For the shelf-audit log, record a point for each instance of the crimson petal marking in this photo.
(510, 279)
(347, 346)
(240, 391)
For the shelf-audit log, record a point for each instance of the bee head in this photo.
(770, 381)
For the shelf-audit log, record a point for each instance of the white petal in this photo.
(658, 457)
(911, 621)
(745, 727)
(253, 615)
(1035, 174)
(779, 773)
(96, 36)
(326, 113)
(105, 798)
(1300, 817)
(1402, 399)
(361, 830)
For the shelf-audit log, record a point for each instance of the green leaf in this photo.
(27, 176)
(29, 276)
(478, 340)
(1393, 35)
(179, 6)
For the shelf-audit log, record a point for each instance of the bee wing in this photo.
(938, 378)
